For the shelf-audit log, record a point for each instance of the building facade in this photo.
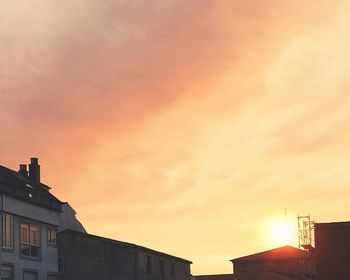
(88, 257)
(281, 263)
(30, 216)
(41, 239)
(332, 250)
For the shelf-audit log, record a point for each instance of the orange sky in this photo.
(184, 126)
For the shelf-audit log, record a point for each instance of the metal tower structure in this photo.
(306, 233)
(306, 240)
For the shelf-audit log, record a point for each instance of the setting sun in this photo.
(282, 233)
(198, 121)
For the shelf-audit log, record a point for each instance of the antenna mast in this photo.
(306, 233)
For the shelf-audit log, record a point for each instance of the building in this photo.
(281, 263)
(30, 217)
(213, 277)
(332, 250)
(43, 240)
(90, 257)
(68, 219)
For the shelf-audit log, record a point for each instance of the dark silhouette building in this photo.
(213, 277)
(332, 251)
(89, 257)
(41, 239)
(281, 263)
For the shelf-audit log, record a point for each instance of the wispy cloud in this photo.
(187, 119)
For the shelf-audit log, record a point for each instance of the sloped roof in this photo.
(277, 253)
(14, 184)
(113, 241)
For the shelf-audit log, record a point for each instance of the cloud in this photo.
(187, 119)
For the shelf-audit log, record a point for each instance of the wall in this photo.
(88, 257)
(290, 266)
(332, 251)
(28, 210)
(182, 269)
(47, 263)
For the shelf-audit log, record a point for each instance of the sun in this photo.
(282, 233)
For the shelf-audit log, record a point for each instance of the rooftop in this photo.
(113, 241)
(277, 253)
(333, 224)
(19, 186)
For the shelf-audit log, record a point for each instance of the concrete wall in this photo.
(86, 258)
(182, 269)
(25, 212)
(89, 258)
(28, 210)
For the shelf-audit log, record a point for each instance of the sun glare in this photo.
(282, 233)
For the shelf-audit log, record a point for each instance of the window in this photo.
(6, 272)
(51, 236)
(30, 240)
(60, 264)
(148, 260)
(7, 231)
(29, 275)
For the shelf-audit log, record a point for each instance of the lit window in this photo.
(6, 272)
(51, 236)
(30, 240)
(7, 231)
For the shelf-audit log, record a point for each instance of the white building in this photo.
(30, 218)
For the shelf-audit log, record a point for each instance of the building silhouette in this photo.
(286, 262)
(30, 218)
(43, 240)
(332, 250)
(89, 257)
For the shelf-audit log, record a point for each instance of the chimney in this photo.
(23, 170)
(34, 170)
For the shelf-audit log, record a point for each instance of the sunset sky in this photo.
(184, 126)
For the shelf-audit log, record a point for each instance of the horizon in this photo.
(185, 127)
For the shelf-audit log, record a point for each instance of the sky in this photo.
(184, 126)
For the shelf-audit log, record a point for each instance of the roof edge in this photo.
(125, 243)
(264, 252)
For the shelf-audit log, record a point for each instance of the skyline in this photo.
(187, 127)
